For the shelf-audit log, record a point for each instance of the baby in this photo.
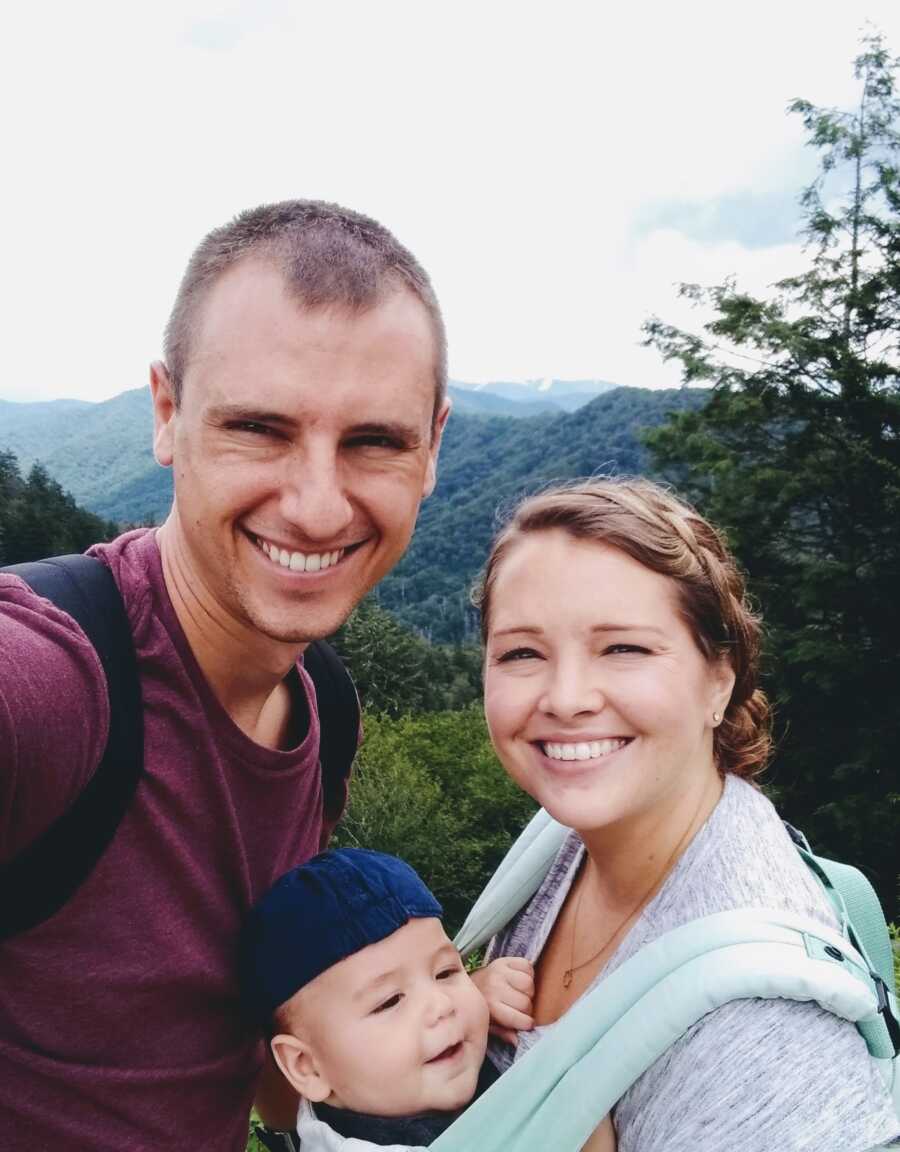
(373, 1019)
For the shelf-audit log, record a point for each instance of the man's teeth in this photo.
(585, 750)
(301, 561)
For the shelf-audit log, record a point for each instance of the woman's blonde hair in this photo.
(667, 536)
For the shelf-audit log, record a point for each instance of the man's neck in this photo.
(244, 668)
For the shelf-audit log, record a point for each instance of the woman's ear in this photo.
(721, 685)
(299, 1066)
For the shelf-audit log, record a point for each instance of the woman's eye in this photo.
(391, 1002)
(626, 649)
(517, 654)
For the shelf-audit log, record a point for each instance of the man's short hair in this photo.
(329, 256)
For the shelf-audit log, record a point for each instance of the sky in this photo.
(558, 168)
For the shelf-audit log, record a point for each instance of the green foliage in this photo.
(396, 671)
(37, 518)
(102, 453)
(429, 788)
(489, 464)
(797, 457)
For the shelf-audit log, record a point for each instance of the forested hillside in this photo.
(38, 518)
(485, 466)
(101, 453)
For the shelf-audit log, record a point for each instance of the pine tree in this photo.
(797, 458)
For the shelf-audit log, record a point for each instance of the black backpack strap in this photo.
(44, 876)
(338, 707)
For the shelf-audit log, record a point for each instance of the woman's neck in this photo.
(629, 863)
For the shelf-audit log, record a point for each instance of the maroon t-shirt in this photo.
(120, 1026)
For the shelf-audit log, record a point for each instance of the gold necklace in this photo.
(573, 967)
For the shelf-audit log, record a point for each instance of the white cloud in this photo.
(511, 145)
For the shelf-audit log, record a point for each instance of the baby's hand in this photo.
(507, 984)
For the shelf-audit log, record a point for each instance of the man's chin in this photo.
(293, 633)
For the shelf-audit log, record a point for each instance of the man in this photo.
(301, 406)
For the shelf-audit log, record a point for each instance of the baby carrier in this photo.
(555, 1096)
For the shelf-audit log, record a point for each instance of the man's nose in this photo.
(314, 496)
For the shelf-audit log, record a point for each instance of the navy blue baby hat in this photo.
(318, 914)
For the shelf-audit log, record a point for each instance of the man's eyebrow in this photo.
(223, 413)
(391, 429)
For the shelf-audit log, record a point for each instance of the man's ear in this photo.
(164, 413)
(300, 1067)
(437, 431)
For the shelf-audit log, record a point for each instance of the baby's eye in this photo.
(386, 1005)
(446, 973)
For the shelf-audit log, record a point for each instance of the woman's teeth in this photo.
(300, 561)
(584, 750)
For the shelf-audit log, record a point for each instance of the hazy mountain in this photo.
(478, 403)
(486, 465)
(101, 454)
(567, 395)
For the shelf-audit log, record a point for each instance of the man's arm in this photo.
(54, 714)
(276, 1101)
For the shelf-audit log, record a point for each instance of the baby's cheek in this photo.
(480, 1012)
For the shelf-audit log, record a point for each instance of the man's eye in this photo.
(391, 1002)
(389, 443)
(251, 427)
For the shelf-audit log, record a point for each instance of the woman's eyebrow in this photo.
(628, 628)
(533, 630)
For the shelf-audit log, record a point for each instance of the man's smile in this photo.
(298, 561)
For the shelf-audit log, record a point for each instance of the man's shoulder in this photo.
(134, 561)
(54, 712)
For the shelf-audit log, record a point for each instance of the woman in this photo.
(621, 693)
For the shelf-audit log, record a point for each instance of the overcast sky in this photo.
(557, 167)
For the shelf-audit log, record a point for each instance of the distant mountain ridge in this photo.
(102, 454)
(535, 395)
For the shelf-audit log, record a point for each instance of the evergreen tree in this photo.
(797, 458)
(38, 518)
(397, 672)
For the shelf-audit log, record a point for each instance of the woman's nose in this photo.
(572, 690)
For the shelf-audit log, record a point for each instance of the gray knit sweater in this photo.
(759, 1075)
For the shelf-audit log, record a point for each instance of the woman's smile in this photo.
(598, 699)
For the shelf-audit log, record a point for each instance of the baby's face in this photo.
(398, 1028)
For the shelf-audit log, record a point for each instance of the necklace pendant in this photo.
(567, 977)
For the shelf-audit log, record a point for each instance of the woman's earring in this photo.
(717, 717)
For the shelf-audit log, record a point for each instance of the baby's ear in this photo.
(299, 1067)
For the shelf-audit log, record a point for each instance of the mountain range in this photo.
(101, 453)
